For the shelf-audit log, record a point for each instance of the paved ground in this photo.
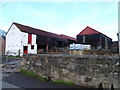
(17, 80)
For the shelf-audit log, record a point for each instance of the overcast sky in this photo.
(68, 18)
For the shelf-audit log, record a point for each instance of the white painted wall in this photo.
(34, 43)
(24, 42)
(15, 40)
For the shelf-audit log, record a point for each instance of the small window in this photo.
(32, 46)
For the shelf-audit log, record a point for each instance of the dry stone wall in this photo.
(85, 70)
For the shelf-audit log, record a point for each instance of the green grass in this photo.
(25, 72)
(13, 56)
(63, 82)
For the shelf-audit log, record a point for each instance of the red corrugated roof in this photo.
(31, 30)
(88, 30)
(68, 37)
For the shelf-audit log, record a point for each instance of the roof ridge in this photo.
(32, 27)
(35, 28)
(92, 28)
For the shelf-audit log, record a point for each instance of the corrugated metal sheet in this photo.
(68, 37)
(31, 30)
(88, 30)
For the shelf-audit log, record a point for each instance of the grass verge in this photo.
(63, 82)
(25, 72)
(14, 56)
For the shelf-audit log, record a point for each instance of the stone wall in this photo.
(2, 45)
(85, 70)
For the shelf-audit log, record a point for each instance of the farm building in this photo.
(115, 46)
(22, 39)
(2, 42)
(96, 39)
(71, 40)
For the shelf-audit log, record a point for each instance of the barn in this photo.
(22, 39)
(96, 39)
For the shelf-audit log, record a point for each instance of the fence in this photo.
(13, 52)
(8, 58)
(10, 55)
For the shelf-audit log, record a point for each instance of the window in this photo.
(32, 46)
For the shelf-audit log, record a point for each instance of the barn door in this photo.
(25, 49)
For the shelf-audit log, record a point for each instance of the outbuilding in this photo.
(22, 39)
(96, 39)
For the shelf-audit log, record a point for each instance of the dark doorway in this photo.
(25, 49)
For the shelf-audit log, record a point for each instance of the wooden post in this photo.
(119, 41)
(19, 52)
(119, 25)
(106, 43)
(47, 45)
(101, 41)
(47, 48)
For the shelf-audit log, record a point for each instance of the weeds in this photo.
(25, 72)
(63, 82)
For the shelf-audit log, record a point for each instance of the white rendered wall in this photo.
(34, 51)
(24, 42)
(13, 38)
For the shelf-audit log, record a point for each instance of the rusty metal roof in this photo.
(68, 37)
(32, 30)
(88, 30)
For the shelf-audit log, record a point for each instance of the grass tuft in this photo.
(14, 56)
(25, 72)
(63, 82)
